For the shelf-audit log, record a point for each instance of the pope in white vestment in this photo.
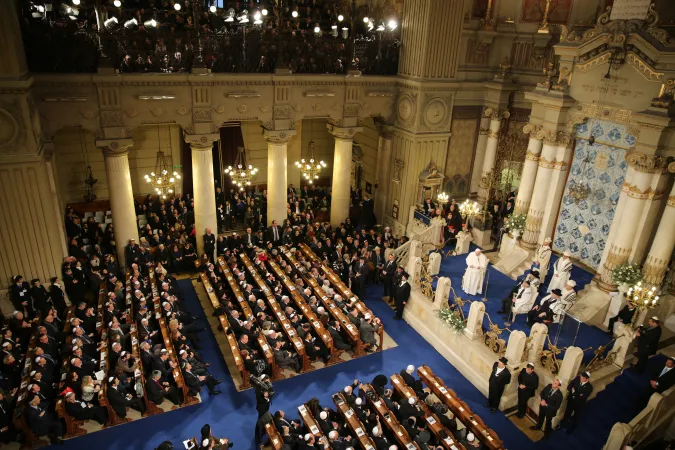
(463, 241)
(567, 299)
(561, 272)
(543, 257)
(476, 266)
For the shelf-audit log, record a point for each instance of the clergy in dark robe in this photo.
(625, 316)
(499, 378)
(578, 392)
(542, 313)
(549, 404)
(528, 382)
(401, 296)
(388, 277)
(647, 343)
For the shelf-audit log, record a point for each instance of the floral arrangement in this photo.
(629, 273)
(451, 319)
(516, 222)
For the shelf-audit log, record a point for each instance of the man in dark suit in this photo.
(499, 378)
(388, 276)
(80, 410)
(194, 382)
(274, 234)
(578, 392)
(158, 390)
(120, 400)
(551, 399)
(401, 296)
(209, 243)
(250, 240)
(338, 341)
(625, 316)
(20, 295)
(41, 422)
(542, 312)
(647, 343)
(664, 378)
(361, 271)
(528, 382)
(132, 253)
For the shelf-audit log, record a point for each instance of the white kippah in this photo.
(32, 373)
(110, 380)
(72, 361)
(411, 400)
(347, 389)
(470, 437)
(376, 431)
(359, 402)
(206, 442)
(323, 415)
(308, 437)
(37, 359)
(410, 369)
(367, 316)
(393, 447)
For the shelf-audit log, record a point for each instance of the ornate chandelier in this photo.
(642, 297)
(578, 191)
(162, 180)
(310, 169)
(242, 173)
(469, 209)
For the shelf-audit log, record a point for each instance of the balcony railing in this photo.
(67, 49)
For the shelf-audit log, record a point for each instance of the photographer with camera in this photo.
(264, 391)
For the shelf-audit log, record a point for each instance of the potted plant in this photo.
(516, 225)
(626, 275)
(451, 319)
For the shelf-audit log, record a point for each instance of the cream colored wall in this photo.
(324, 146)
(75, 149)
(256, 149)
(367, 139)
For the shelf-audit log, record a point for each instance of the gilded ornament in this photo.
(646, 163)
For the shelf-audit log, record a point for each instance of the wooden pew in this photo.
(275, 438)
(310, 422)
(482, 432)
(390, 421)
(341, 288)
(353, 422)
(350, 330)
(100, 307)
(232, 341)
(31, 440)
(168, 343)
(248, 314)
(433, 424)
(280, 315)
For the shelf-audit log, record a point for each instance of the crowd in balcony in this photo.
(169, 36)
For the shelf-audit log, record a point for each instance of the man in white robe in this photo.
(543, 257)
(463, 241)
(561, 272)
(476, 266)
(567, 299)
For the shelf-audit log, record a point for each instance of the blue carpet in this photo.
(233, 414)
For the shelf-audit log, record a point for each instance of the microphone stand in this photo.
(487, 283)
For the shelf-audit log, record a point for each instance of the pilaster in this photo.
(277, 173)
(203, 184)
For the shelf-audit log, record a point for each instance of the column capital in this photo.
(647, 163)
(532, 130)
(344, 133)
(277, 136)
(385, 129)
(496, 113)
(115, 147)
(201, 141)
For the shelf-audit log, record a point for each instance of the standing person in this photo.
(578, 392)
(263, 399)
(499, 378)
(401, 296)
(551, 399)
(647, 342)
(528, 382)
(543, 257)
(388, 277)
(274, 234)
(561, 272)
(476, 265)
(209, 243)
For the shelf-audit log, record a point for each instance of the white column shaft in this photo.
(277, 182)
(481, 143)
(555, 191)
(535, 212)
(204, 192)
(121, 201)
(384, 145)
(529, 175)
(339, 208)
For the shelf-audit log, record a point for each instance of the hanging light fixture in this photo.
(89, 191)
(578, 189)
(311, 168)
(242, 173)
(161, 179)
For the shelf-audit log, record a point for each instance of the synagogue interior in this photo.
(337, 224)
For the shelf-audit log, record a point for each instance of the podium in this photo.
(568, 331)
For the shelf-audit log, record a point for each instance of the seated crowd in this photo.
(382, 416)
(161, 36)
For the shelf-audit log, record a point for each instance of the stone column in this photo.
(535, 213)
(655, 266)
(116, 158)
(481, 143)
(515, 348)
(442, 294)
(344, 137)
(530, 166)
(496, 117)
(295, 154)
(626, 225)
(556, 186)
(474, 323)
(203, 186)
(383, 180)
(277, 173)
